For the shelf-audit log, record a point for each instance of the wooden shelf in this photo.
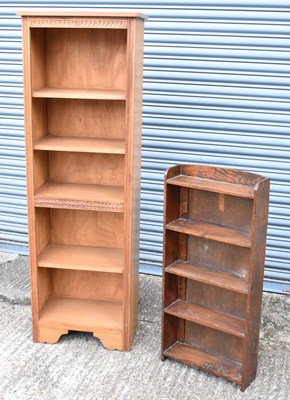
(209, 275)
(217, 365)
(207, 317)
(81, 315)
(84, 258)
(79, 144)
(194, 182)
(80, 196)
(210, 231)
(82, 94)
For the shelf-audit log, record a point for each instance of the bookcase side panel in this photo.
(132, 175)
(256, 275)
(27, 72)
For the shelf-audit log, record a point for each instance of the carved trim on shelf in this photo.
(110, 23)
(79, 204)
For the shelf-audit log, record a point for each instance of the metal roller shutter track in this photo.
(216, 91)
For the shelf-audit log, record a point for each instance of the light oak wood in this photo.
(79, 196)
(86, 228)
(83, 116)
(86, 118)
(81, 94)
(85, 258)
(215, 222)
(103, 318)
(82, 145)
(86, 284)
(82, 13)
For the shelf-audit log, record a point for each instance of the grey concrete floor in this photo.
(78, 367)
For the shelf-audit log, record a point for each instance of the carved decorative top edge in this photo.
(79, 205)
(100, 23)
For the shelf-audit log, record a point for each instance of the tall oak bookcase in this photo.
(215, 224)
(83, 108)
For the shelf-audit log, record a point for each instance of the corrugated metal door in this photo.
(216, 91)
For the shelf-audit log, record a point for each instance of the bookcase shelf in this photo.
(83, 258)
(208, 362)
(210, 231)
(71, 93)
(207, 274)
(205, 316)
(83, 75)
(215, 224)
(80, 196)
(83, 144)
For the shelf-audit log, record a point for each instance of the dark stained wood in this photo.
(256, 275)
(217, 365)
(220, 209)
(210, 231)
(205, 316)
(216, 298)
(215, 222)
(210, 275)
(227, 257)
(212, 186)
(213, 341)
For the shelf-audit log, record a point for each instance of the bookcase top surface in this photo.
(81, 13)
(210, 174)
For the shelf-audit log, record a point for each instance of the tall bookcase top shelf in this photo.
(69, 13)
(80, 196)
(80, 144)
(83, 94)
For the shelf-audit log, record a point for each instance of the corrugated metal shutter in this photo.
(216, 91)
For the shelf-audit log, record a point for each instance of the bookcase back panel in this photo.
(44, 287)
(222, 256)
(87, 228)
(213, 341)
(220, 209)
(173, 250)
(38, 58)
(42, 229)
(87, 168)
(41, 170)
(87, 285)
(100, 55)
(215, 298)
(39, 118)
(85, 118)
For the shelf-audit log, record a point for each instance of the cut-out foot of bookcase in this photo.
(61, 315)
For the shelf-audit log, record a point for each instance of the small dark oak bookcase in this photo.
(215, 224)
